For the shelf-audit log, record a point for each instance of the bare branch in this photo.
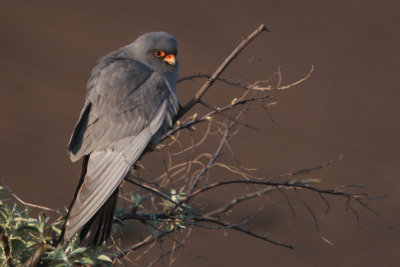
(208, 76)
(210, 163)
(294, 184)
(209, 115)
(156, 192)
(30, 204)
(220, 69)
(240, 229)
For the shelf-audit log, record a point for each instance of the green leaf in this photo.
(4, 215)
(103, 257)
(77, 251)
(17, 243)
(84, 260)
(27, 227)
(56, 229)
(57, 254)
(30, 244)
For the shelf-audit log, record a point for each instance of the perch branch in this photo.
(240, 229)
(219, 70)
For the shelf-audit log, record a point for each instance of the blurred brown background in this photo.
(348, 107)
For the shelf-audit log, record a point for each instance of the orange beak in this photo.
(170, 59)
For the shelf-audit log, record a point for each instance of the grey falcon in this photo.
(130, 103)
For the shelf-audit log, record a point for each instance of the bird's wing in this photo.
(121, 115)
(113, 80)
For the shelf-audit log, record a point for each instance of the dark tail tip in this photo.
(81, 179)
(98, 229)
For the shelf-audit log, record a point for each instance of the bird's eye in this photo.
(159, 53)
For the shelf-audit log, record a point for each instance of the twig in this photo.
(299, 81)
(217, 110)
(156, 192)
(219, 70)
(149, 239)
(240, 199)
(249, 196)
(309, 170)
(216, 154)
(144, 217)
(35, 258)
(294, 184)
(207, 116)
(208, 76)
(5, 243)
(210, 163)
(240, 229)
(30, 204)
(171, 251)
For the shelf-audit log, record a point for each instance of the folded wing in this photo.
(127, 105)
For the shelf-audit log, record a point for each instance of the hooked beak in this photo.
(170, 59)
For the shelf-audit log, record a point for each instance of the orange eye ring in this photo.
(159, 53)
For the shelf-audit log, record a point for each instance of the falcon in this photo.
(130, 103)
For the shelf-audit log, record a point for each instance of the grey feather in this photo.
(130, 102)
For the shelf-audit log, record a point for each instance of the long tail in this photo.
(98, 228)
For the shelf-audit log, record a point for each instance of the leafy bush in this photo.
(27, 241)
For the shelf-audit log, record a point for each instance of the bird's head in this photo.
(158, 50)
